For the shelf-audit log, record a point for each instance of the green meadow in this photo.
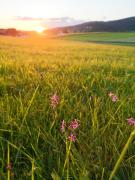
(82, 74)
(116, 38)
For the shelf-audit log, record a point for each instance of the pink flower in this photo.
(54, 100)
(74, 124)
(131, 121)
(72, 137)
(63, 126)
(113, 97)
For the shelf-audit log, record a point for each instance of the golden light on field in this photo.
(39, 29)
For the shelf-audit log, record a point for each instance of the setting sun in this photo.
(39, 29)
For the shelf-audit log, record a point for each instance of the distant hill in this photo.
(122, 25)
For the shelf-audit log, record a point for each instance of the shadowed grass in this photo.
(116, 38)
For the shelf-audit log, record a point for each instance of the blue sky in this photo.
(29, 14)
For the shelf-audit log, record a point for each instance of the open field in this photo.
(127, 38)
(82, 75)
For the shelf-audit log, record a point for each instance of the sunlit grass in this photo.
(31, 71)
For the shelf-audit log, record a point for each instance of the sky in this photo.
(43, 14)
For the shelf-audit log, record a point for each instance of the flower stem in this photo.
(132, 135)
(33, 168)
(68, 148)
(8, 162)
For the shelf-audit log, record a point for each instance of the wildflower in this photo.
(74, 124)
(9, 166)
(72, 137)
(131, 121)
(63, 126)
(113, 97)
(110, 94)
(54, 100)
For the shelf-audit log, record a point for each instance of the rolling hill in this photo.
(122, 25)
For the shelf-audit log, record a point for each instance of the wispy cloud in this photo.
(64, 21)
(19, 18)
(51, 22)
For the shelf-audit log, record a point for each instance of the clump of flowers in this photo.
(131, 121)
(69, 129)
(55, 99)
(113, 97)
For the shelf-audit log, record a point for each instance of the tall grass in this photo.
(31, 71)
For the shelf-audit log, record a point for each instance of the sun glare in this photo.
(39, 29)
